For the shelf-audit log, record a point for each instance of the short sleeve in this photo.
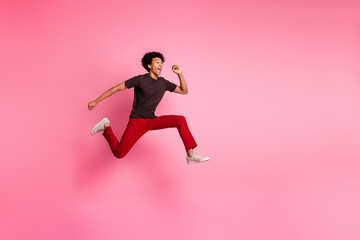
(169, 86)
(132, 82)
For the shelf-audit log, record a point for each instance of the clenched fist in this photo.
(92, 105)
(176, 69)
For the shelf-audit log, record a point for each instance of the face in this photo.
(156, 66)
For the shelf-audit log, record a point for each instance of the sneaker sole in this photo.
(191, 162)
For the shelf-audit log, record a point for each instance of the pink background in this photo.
(274, 100)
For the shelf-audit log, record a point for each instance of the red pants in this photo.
(138, 127)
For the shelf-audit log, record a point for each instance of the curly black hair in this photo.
(147, 59)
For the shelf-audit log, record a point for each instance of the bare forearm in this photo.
(106, 94)
(110, 92)
(183, 85)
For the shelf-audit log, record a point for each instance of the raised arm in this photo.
(108, 93)
(183, 87)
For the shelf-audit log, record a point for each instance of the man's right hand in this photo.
(92, 105)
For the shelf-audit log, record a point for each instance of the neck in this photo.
(154, 76)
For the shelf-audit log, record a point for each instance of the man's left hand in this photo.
(176, 69)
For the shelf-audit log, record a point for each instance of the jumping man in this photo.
(149, 89)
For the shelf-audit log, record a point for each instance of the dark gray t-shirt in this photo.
(147, 94)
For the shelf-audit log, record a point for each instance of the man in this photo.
(148, 91)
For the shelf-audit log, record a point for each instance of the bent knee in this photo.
(180, 121)
(119, 155)
(181, 118)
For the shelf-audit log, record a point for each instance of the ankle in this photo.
(190, 153)
(106, 125)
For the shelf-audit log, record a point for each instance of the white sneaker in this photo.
(100, 126)
(196, 159)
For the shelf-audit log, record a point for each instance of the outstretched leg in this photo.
(167, 121)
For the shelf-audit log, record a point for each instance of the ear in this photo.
(149, 65)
